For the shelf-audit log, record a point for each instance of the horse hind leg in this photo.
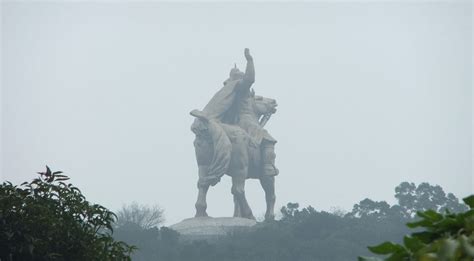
(201, 203)
(237, 211)
(238, 190)
(268, 185)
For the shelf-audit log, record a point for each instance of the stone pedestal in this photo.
(209, 228)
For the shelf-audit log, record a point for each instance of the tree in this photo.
(139, 225)
(289, 210)
(373, 209)
(412, 198)
(143, 216)
(338, 211)
(48, 219)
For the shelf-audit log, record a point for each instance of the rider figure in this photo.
(246, 117)
(235, 104)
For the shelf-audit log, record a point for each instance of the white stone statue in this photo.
(231, 139)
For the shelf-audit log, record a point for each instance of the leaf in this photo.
(469, 213)
(421, 223)
(429, 257)
(448, 223)
(468, 248)
(363, 258)
(398, 256)
(469, 201)
(448, 249)
(413, 243)
(424, 236)
(48, 171)
(431, 215)
(469, 223)
(385, 248)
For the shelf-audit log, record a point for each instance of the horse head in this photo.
(264, 108)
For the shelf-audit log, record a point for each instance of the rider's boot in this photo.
(268, 156)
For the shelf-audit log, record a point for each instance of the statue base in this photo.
(208, 228)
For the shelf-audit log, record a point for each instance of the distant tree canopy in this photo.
(368, 208)
(301, 233)
(48, 219)
(411, 199)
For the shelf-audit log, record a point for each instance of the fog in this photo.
(370, 95)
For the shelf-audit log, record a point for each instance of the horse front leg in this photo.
(201, 203)
(268, 185)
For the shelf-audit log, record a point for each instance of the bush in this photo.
(48, 219)
(446, 237)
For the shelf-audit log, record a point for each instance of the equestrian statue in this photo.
(231, 139)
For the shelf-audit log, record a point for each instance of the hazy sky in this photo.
(370, 95)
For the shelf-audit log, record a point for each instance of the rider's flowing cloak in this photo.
(220, 111)
(221, 154)
(222, 105)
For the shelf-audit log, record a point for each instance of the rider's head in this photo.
(235, 74)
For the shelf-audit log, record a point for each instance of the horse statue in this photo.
(223, 148)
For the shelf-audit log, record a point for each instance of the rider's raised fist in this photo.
(247, 54)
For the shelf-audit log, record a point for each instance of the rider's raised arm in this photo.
(249, 76)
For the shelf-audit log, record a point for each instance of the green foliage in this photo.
(48, 219)
(469, 201)
(445, 237)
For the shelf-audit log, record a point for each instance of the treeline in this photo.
(50, 219)
(301, 233)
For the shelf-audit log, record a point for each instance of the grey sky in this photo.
(370, 95)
